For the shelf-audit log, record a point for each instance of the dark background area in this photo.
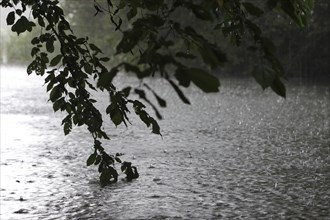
(303, 52)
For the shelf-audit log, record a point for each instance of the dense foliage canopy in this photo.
(169, 39)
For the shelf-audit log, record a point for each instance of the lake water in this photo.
(239, 154)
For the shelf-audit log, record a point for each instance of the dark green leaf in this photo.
(34, 51)
(128, 41)
(179, 92)
(182, 76)
(50, 86)
(114, 173)
(105, 80)
(35, 40)
(115, 114)
(123, 167)
(50, 45)
(278, 87)
(19, 12)
(21, 25)
(81, 40)
(100, 168)
(55, 94)
(160, 101)
(204, 80)
(144, 117)
(108, 159)
(10, 18)
(212, 56)
(264, 76)
(95, 48)
(105, 175)
(118, 159)
(58, 104)
(91, 159)
(155, 126)
(289, 8)
(67, 127)
(141, 93)
(88, 68)
(55, 60)
(97, 159)
(105, 59)
(126, 91)
(132, 68)
(41, 21)
(30, 25)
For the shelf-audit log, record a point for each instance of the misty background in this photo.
(303, 52)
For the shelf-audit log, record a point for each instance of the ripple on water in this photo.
(240, 154)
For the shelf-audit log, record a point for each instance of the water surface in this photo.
(238, 154)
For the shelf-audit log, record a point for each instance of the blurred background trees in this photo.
(303, 53)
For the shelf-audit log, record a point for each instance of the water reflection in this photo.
(239, 154)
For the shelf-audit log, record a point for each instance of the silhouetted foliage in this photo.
(159, 42)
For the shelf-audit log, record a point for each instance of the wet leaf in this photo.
(118, 159)
(264, 76)
(41, 21)
(67, 127)
(160, 100)
(116, 116)
(56, 60)
(179, 92)
(100, 168)
(35, 40)
(204, 80)
(95, 48)
(97, 159)
(91, 159)
(155, 126)
(126, 91)
(278, 87)
(10, 18)
(55, 94)
(21, 25)
(105, 80)
(50, 45)
(105, 59)
(88, 68)
(105, 175)
(182, 76)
